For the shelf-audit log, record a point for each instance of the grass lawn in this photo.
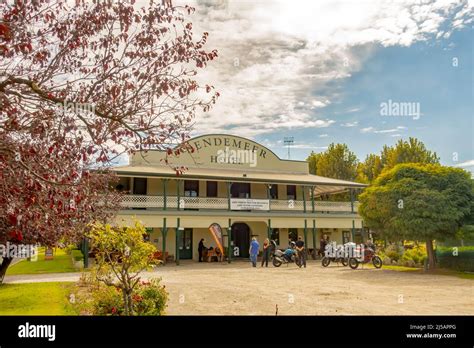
(36, 299)
(61, 263)
(439, 271)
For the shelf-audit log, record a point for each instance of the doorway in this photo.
(240, 236)
(186, 244)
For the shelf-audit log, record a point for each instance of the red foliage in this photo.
(79, 85)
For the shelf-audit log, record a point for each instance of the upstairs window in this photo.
(211, 189)
(274, 191)
(139, 186)
(291, 191)
(191, 188)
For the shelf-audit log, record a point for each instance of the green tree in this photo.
(411, 151)
(121, 254)
(423, 202)
(336, 162)
(370, 169)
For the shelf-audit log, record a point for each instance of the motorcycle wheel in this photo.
(344, 262)
(276, 262)
(377, 261)
(353, 263)
(325, 261)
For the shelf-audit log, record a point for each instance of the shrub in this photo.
(149, 298)
(394, 252)
(417, 254)
(77, 255)
(460, 259)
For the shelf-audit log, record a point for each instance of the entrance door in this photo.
(186, 244)
(241, 237)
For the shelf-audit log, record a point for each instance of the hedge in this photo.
(463, 261)
(77, 255)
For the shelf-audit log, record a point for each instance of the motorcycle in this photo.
(280, 257)
(326, 260)
(369, 256)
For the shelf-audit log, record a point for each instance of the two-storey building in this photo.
(239, 184)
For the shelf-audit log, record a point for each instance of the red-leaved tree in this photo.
(82, 82)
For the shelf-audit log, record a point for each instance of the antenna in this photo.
(288, 141)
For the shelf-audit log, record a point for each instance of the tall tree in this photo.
(411, 151)
(370, 169)
(336, 162)
(418, 202)
(81, 83)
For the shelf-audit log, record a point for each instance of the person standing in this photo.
(254, 246)
(201, 249)
(322, 245)
(301, 252)
(266, 252)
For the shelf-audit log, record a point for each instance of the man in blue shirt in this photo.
(254, 246)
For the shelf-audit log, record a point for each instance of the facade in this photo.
(239, 184)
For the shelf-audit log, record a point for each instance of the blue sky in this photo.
(319, 71)
(422, 73)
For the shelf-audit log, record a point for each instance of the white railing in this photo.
(157, 202)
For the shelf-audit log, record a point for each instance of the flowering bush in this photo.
(417, 254)
(149, 298)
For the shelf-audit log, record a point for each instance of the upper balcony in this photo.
(161, 202)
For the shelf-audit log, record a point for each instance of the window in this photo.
(211, 188)
(292, 235)
(240, 190)
(291, 191)
(346, 237)
(139, 186)
(274, 191)
(191, 188)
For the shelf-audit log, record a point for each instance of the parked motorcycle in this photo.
(280, 257)
(338, 256)
(369, 256)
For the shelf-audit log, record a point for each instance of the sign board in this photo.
(249, 204)
(48, 254)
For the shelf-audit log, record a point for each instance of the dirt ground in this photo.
(238, 289)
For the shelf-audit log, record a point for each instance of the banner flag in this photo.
(216, 232)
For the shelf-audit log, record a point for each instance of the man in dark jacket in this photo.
(201, 249)
(301, 250)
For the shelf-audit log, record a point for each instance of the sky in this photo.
(364, 73)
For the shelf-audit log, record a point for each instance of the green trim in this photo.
(164, 233)
(353, 231)
(352, 200)
(304, 199)
(229, 236)
(178, 194)
(306, 234)
(229, 184)
(165, 181)
(314, 237)
(177, 241)
(312, 198)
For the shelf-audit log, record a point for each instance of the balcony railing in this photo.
(214, 203)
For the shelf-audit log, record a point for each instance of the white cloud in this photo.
(323, 136)
(383, 131)
(469, 163)
(277, 58)
(350, 124)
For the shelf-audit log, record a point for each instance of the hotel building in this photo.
(241, 185)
